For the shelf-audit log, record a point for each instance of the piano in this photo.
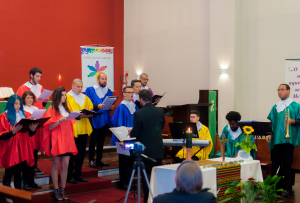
(181, 142)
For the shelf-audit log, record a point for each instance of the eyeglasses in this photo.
(280, 90)
(145, 79)
(129, 92)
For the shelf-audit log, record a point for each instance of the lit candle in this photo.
(59, 81)
(189, 138)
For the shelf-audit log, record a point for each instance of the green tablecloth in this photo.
(3, 106)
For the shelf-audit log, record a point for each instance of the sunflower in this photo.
(248, 130)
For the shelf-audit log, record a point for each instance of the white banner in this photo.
(292, 77)
(94, 60)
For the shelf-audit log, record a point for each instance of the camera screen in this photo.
(129, 146)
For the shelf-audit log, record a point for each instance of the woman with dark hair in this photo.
(16, 149)
(28, 99)
(59, 140)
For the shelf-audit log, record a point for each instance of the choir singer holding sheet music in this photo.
(147, 126)
(100, 123)
(123, 116)
(82, 128)
(33, 85)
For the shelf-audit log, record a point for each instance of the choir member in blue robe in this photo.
(123, 116)
(100, 123)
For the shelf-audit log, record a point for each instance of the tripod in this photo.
(137, 166)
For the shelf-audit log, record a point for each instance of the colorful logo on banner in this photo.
(95, 70)
(93, 50)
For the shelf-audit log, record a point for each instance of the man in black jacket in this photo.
(147, 126)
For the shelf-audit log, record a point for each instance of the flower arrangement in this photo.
(247, 145)
(253, 191)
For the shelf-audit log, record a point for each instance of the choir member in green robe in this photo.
(234, 134)
(282, 150)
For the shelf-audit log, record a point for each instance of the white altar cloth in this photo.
(162, 177)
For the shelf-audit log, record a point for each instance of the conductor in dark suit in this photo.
(147, 126)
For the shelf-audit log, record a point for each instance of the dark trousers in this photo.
(35, 153)
(282, 155)
(28, 174)
(16, 171)
(148, 168)
(125, 168)
(97, 136)
(76, 162)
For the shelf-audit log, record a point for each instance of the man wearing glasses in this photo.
(282, 149)
(123, 116)
(144, 80)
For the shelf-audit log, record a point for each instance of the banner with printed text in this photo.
(292, 77)
(95, 60)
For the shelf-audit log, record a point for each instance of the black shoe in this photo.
(81, 179)
(101, 163)
(123, 187)
(34, 185)
(57, 195)
(72, 180)
(93, 164)
(285, 193)
(38, 171)
(27, 187)
(63, 193)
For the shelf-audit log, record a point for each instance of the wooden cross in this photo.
(223, 143)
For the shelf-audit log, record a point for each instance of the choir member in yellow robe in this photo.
(204, 134)
(82, 128)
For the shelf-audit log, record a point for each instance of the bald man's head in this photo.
(144, 79)
(102, 79)
(77, 86)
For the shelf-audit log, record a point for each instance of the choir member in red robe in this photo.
(59, 140)
(28, 99)
(33, 85)
(16, 149)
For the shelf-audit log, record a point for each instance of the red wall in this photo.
(48, 35)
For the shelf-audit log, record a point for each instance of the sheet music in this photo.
(120, 150)
(74, 114)
(121, 133)
(45, 95)
(38, 113)
(108, 101)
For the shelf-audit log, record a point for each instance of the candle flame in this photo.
(189, 129)
(59, 77)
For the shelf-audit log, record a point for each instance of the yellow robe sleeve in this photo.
(82, 126)
(204, 153)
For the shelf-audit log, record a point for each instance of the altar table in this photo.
(162, 177)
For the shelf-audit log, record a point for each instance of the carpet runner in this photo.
(104, 196)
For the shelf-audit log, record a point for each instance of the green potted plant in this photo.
(246, 145)
(254, 191)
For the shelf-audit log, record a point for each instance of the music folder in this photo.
(155, 97)
(90, 112)
(260, 128)
(26, 122)
(178, 130)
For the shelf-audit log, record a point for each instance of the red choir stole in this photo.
(16, 149)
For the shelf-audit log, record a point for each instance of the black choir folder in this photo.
(155, 97)
(26, 122)
(90, 112)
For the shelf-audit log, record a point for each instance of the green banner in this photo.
(212, 115)
(3, 106)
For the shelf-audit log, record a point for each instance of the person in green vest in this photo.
(282, 149)
(234, 134)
